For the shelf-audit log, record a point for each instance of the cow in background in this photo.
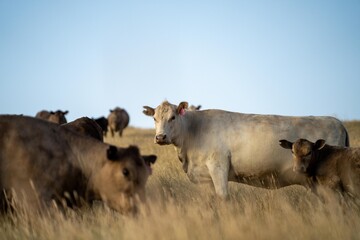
(103, 123)
(55, 117)
(194, 108)
(118, 120)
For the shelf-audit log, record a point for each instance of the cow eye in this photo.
(172, 118)
(125, 172)
(155, 120)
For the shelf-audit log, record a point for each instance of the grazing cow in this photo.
(118, 120)
(55, 117)
(194, 108)
(48, 163)
(219, 146)
(333, 167)
(103, 123)
(87, 127)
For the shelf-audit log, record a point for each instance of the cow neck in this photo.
(180, 140)
(189, 127)
(317, 159)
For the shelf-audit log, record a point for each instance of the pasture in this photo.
(178, 209)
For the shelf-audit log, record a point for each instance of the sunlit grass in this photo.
(178, 209)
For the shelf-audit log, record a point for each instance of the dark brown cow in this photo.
(118, 120)
(55, 117)
(333, 167)
(85, 126)
(103, 123)
(47, 163)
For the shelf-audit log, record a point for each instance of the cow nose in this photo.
(301, 169)
(160, 137)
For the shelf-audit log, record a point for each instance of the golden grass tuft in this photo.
(178, 209)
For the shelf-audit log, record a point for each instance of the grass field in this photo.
(179, 209)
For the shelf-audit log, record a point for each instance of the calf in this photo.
(333, 167)
(48, 162)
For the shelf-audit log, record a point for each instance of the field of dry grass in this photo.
(179, 209)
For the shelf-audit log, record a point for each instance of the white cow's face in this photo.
(167, 121)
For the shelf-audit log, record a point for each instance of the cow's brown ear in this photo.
(111, 152)
(149, 111)
(319, 144)
(150, 159)
(285, 144)
(181, 108)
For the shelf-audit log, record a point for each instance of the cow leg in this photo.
(219, 171)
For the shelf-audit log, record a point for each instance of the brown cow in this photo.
(47, 163)
(87, 127)
(103, 123)
(118, 120)
(333, 167)
(56, 117)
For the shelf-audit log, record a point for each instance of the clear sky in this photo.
(268, 57)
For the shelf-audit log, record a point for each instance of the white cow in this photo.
(222, 146)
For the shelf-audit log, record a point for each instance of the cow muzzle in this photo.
(299, 168)
(161, 139)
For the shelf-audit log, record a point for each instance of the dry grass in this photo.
(179, 209)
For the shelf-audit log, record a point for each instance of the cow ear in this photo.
(111, 152)
(319, 144)
(198, 107)
(181, 108)
(66, 112)
(285, 144)
(149, 111)
(150, 159)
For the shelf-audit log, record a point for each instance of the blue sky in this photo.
(266, 57)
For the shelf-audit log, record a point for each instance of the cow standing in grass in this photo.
(47, 163)
(219, 146)
(329, 167)
(118, 120)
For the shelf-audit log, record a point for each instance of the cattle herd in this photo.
(46, 161)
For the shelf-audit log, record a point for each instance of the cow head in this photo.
(302, 151)
(167, 119)
(121, 181)
(58, 117)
